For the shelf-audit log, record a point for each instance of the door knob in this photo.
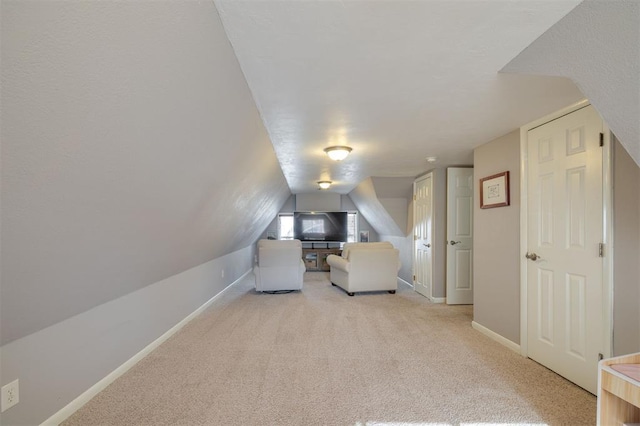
(427, 245)
(453, 243)
(532, 256)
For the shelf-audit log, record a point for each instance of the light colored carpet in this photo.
(319, 357)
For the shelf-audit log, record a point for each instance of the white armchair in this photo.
(280, 266)
(366, 267)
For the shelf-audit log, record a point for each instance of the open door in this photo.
(459, 236)
(422, 235)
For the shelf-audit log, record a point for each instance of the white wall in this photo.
(405, 248)
(320, 201)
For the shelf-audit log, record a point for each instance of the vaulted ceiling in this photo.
(136, 143)
(396, 80)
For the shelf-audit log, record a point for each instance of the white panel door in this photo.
(459, 236)
(422, 235)
(565, 228)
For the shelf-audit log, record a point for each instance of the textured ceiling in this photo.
(398, 81)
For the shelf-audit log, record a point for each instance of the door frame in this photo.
(607, 217)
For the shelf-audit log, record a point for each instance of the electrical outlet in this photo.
(222, 274)
(10, 395)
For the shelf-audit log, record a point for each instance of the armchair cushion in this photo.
(280, 265)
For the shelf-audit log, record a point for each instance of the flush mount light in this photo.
(338, 153)
(431, 159)
(324, 184)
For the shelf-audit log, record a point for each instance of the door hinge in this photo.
(601, 249)
(414, 278)
(601, 139)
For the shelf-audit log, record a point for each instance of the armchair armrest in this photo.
(338, 262)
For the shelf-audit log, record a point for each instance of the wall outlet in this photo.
(10, 395)
(222, 273)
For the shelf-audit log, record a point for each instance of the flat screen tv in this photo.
(320, 226)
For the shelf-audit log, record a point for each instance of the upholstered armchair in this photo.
(280, 266)
(365, 267)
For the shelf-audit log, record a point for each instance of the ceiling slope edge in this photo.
(596, 45)
(219, 6)
(366, 200)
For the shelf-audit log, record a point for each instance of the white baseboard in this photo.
(86, 396)
(405, 282)
(431, 299)
(495, 336)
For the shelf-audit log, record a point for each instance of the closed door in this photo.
(422, 235)
(459, 236)
(565, 229)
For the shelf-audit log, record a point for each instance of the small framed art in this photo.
(494, 191)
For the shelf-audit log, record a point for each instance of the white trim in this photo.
(524, 206)
(65, 412)
(437, 299)
(495, 336)
(607, 226)
(607, 188)
(405, 282)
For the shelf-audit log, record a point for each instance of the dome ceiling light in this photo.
(324, 184)
(338, 153)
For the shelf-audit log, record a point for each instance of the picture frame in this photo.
(494, 191)
(364, 236)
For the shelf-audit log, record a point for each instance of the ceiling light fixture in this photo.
(431, 159)
(324, 184)
(338, 153)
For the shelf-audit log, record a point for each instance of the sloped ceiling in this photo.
(365, 198)
(132, 150)
(597, 45)
(396, 80)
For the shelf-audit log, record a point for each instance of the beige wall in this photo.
(496, 242)
(626, 218)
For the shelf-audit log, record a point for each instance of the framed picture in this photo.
(364, 236)
(494, 191)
